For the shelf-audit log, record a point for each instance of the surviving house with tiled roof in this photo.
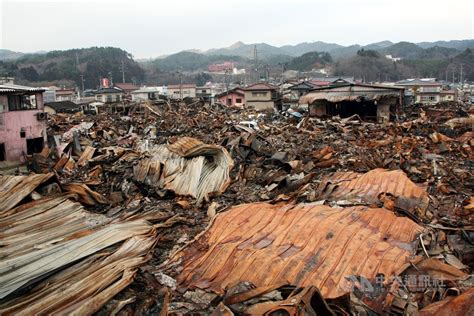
(109, 95)
(424, 91)
(262, 96)
(127, 88)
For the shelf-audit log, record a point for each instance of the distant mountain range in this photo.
(305, 56)
(6, 54)
(433, 59)
(265, 51)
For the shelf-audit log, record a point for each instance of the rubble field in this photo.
(174, 208)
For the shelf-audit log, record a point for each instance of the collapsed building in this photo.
(343, 98)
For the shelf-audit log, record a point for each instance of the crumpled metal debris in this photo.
(391, 188)
(187, 167)
(417, 168)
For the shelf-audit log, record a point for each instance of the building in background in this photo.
(209, 91)
(233, 97)
(127, 88)
(7, 80)
(424, 91)
(262, 96)
(345, 99)
(148, 93)
(22, 122)
(222, 67)
(108, 95)
(181, 91)
(449, 95)
(300, 89)
(49, 95)
(65, 95)
(62, 107)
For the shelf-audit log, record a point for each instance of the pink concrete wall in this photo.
(11, 123)
(234, 97)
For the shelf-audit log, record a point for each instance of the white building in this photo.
(148, 93)
(109, 95)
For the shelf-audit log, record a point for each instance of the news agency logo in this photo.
(415, 283)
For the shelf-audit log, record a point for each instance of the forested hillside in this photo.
(90, 63)
(365, 62)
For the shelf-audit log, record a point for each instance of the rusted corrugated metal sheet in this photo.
(13, 189)
(40, 240)
(85, 194)
(86, 156)
(369, 187)
(187, 167)
(458, 305)
(302, 245)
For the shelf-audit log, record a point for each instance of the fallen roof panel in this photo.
(454, 305)
(40, 239)
(13, 189)
(371, 185)
(301, 245)
(187, 167)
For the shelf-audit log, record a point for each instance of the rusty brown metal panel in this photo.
(369, 187)
(13, 189)
(457, 305)
(302, 245)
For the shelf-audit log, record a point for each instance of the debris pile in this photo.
(191, 208)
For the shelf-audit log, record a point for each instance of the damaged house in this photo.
(22, 122)
(343, 98)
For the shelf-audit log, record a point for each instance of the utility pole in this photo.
(180, 85)
(122, 68)
(255, 55)
(82, 81)
(227, 79)
(460, 78)
(255, 60)
(454, 70)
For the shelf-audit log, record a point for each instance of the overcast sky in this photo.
(153, 28)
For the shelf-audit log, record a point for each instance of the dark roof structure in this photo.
(260, 86)
(349, 91)
(418, 82)
(63, 106)
(236, 90)
(126, 86)
(302, 86)
(182, 86)
(108, 90)
(65, 91)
